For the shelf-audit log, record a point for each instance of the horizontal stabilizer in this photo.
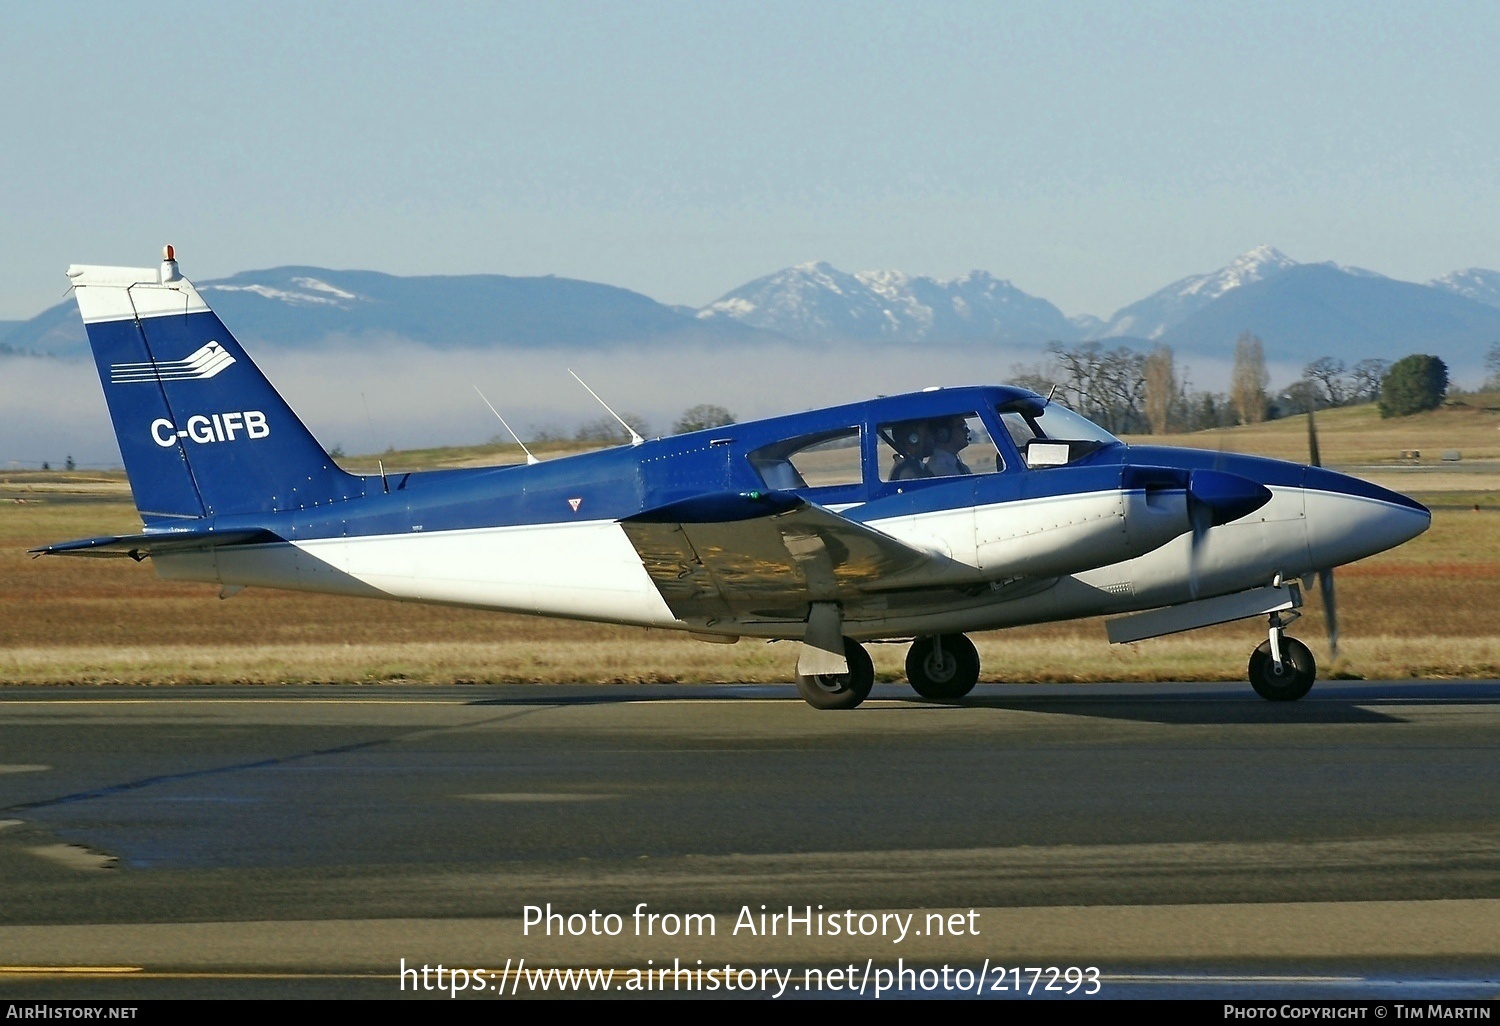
(139, 546)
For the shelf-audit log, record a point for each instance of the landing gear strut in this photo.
(840, 690)
(943, 667)
(1282, 669)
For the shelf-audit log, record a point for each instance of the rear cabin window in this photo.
(948, 446)
(822, 460)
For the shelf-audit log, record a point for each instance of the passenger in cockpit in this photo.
(950, 436)
(913, 443)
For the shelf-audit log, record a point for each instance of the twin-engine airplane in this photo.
(918, 516)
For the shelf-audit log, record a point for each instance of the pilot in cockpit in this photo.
(950, 436)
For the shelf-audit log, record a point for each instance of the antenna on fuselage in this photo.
(635, 439)
(385, 485)
(530, 459)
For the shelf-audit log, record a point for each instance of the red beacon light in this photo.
(169, 271)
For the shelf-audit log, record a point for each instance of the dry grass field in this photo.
(1358, 436)
(1428, 609)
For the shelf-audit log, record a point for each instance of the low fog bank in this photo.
(51, 409)
(367, 396)
(418, 397)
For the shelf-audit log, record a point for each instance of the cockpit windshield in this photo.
(1049, 434)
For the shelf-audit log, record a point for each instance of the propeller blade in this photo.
(1214, 498)
(1325, 577)
(1313, 457)
(1330, 610)
(1201, 517)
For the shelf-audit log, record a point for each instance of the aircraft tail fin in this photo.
(201, 430)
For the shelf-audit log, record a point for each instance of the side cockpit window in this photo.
(822, 460)
(944, 446)
(1049, 434)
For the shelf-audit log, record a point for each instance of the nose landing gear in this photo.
(1282, 669)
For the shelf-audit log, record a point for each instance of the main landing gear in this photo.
(840, 690)
(1282, 669)
(943, 667)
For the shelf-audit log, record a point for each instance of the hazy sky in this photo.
(1089, 152)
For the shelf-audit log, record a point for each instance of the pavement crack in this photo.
(166, 778)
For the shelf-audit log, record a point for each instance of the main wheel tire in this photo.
(1298, 671)
(947, 677)
(840, 690)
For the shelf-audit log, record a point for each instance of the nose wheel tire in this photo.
(944, 668)
(840, 690)
(1298, 671)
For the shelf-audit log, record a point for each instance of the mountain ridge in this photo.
(1299, 310)
(301, 305)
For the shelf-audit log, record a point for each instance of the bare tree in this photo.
(608, 430)
(1327, 374)
(1161, 391)
(1492, 368)
(1301, 395)
(1364, 379)
(704, 415)
(1105, 385)
(1040, 378)
(1247, 385)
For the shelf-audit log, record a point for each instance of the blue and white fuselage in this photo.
(845, 520)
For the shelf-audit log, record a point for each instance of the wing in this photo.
(771, 554)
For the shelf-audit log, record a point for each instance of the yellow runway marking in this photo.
(48, 970)
(239, 701)
(537, 796)
(139, 973)
(1191, 977)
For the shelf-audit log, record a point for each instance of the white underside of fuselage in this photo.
(590, 571)
(586, 570)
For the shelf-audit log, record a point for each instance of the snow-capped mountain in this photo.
(1314, 310)
(1301, 311)
(809, 301)
(295, 290)
(1153, 316)
(307, 306)
(1086, 325)
(1474, 283)
(818, 302)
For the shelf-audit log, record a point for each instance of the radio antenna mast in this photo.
(635, 439)
(530, 459)
(385, 484)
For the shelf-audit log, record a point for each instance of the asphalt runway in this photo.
(1184, 839)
